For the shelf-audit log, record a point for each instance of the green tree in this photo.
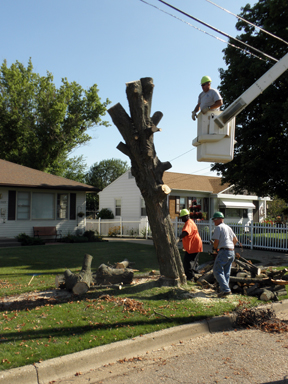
(40, 124)
(276, 207)
(73, 168)
(260, 163)
(102, 174)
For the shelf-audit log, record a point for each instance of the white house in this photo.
(31, 198)
(124, 199)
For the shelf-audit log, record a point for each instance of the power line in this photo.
(193, 149)
(215, 29)
(201, 30)
(248, 22)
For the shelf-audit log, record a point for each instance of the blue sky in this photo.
(112, 42)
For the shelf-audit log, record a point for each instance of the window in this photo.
(23, 205)
(180, 203)
(143, 208)
(234, 212)
(62, 206)
(118, 207)
(43, 206)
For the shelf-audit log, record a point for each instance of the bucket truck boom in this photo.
(216, 130)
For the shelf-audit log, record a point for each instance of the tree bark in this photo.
(255, 271)
(148, 170)
(78, 283)
(109, 275)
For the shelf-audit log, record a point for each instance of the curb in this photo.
(65, 366)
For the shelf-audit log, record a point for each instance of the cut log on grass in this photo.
(108, 275)
(78, 283)
(207, 277)
(122, 264)
(269, 295)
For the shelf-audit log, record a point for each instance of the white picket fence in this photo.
(251, 235)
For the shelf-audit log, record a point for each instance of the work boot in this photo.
(223, 294)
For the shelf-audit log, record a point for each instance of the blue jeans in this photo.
(222, 268)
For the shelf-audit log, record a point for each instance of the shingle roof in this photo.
(182, 181)
(14, 175)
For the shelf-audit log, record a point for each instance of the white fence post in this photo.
(210, 228)
(146, 226)
(252, 234)
(99, 226)
(176, 227)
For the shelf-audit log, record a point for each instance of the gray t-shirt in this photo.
(225, 235)
(206, 99)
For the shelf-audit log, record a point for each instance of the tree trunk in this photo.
(148, 170)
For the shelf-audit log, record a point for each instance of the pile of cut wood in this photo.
(248, 279)
(105, 276)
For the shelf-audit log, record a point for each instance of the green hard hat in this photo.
(206, 79)
(218, 215)
(184, 212)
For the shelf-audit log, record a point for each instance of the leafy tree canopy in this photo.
(103, 173)
(260, 164)
(73, 168)
(40, 124)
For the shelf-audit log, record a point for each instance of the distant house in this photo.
(31, 198)
(124, 198)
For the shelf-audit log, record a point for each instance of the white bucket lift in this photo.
(214, 144)
(216, 130)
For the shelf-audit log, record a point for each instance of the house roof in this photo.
(14, 175)
(182, 181)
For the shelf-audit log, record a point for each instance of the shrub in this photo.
(105, 213)
(74, 239)
(28, 240)
(92, 236)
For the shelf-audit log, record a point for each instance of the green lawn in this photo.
(51, 328)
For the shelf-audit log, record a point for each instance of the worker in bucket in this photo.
(192, 244)
(223, 248)
(208, 99)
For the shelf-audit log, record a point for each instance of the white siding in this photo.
(12, 228)
(125, 189)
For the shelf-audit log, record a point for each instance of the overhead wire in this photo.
(216, 30)
(248, 22)
(201, 30)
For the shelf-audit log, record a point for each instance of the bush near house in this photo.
(105, 213)
(28, 240)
